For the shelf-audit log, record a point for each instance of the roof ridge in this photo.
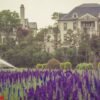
(89, 5)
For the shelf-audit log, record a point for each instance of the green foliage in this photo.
(28, 53)
(61, 54)
(72, 39)
(67, 54)
(53, 64)
(56, 32)
(84, 47)
(62, 65)
(8, 21)
(41, 57)
(40, 36)
(55, 16)
(41, 66)
(99, 65)
(95, 43)
(84, 66)
(66, 65)
(44, 65)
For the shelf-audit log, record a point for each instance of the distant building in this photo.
(25, 24)
(32, 26)
(81, 18)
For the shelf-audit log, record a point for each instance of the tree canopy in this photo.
(8, 21)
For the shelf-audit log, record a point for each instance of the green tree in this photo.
(55, 16)
(61, 54)
(8, 21)
(41, 34)
(84, 47)
(72, 39)
(56, 37)
(95, 43)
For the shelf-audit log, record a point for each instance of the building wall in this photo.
(61, 27)
(86, 17)
(49, 47)
(70, 25)
(62, 31)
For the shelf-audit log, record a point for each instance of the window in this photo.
(75, 15)
(65, 37)
(65, 26)
(74, 25)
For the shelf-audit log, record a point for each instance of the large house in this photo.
(79, 19)
(83, 17)
(24, 23)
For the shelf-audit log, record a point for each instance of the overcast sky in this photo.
(40, 11)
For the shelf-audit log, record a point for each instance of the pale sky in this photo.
(40, 11)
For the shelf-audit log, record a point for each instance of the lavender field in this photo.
(50, 85)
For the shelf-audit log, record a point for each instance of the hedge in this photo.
(85, 66)
(41, 66)
(66, 65)
(99, 65)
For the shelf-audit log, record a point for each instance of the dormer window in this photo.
(75, 15)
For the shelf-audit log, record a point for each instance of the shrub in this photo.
(89, 66)
(66, 65)
(99, 65)
(53, 64)
(39, 66)
(44, 66)
(85, 66)
(62, 65)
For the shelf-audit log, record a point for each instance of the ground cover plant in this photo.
(50, 85)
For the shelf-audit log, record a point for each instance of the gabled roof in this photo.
(61, 15)
(91, 8)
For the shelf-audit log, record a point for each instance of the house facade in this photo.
(81, 18)
(85, 17)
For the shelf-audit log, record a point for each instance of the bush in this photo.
(85, 66)
(53, 64)
(62, 65)
(44, 66)
(99, 65)
(89, 66)
(39, 66)
(66, 65)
